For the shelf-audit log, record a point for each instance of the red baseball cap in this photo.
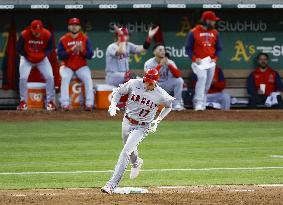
(151, 76)
(75, 21)
(36, 26)
(209, 15)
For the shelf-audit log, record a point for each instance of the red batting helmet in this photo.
(75, 21)
(36, 26)
(124, 30)
(209, 15)
(151, 76)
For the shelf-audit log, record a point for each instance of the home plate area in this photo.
(130, 190)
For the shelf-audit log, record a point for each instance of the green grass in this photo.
(95, 145)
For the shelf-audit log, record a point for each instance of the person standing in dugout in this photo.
(74, 48)
(203, 41)
(34, 45)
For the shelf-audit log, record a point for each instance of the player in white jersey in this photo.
(170, 76)
(118, 55)
(145, 96)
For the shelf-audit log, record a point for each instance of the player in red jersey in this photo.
(203, 45)
(264, 85)
(74, 49)
(34, 45)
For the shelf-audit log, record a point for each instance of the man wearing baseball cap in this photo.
(118, 55)
(203, 42)
(144, 98)
(170, 76)
(34, 45)
(74, 49)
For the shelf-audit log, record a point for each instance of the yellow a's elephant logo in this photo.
(184, 28)
(243, 52)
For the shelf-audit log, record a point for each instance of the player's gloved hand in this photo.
(152, 31)
(113, 110)
(154, 125)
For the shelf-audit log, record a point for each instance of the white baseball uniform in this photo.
(118, 65)
(142, 106)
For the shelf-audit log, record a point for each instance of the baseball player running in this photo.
(170, 76)
(144, 98)
(118, 53)
(73, 49)
(203, 41)
(34, 45)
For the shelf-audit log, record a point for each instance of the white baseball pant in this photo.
(132, 135)
(203, 84)
(115, 78)
(175, 86)
(84, 74)
(224, 99)
(45, 69)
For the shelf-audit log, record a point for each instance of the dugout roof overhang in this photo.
(137, 4)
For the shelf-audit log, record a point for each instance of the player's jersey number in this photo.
(144, 113)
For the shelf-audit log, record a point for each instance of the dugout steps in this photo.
(236, 85)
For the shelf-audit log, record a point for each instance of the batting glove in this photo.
(154, 125)
(113, 110)
(152, 31)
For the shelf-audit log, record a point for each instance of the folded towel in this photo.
(272, 99)
(204, 64)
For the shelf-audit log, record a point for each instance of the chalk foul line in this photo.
(144, 170)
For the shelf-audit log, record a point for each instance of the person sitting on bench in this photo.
(264, 85)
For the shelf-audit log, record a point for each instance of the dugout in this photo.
(246, 29)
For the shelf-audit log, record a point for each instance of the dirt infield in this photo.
(157, 196)
(190, 115)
